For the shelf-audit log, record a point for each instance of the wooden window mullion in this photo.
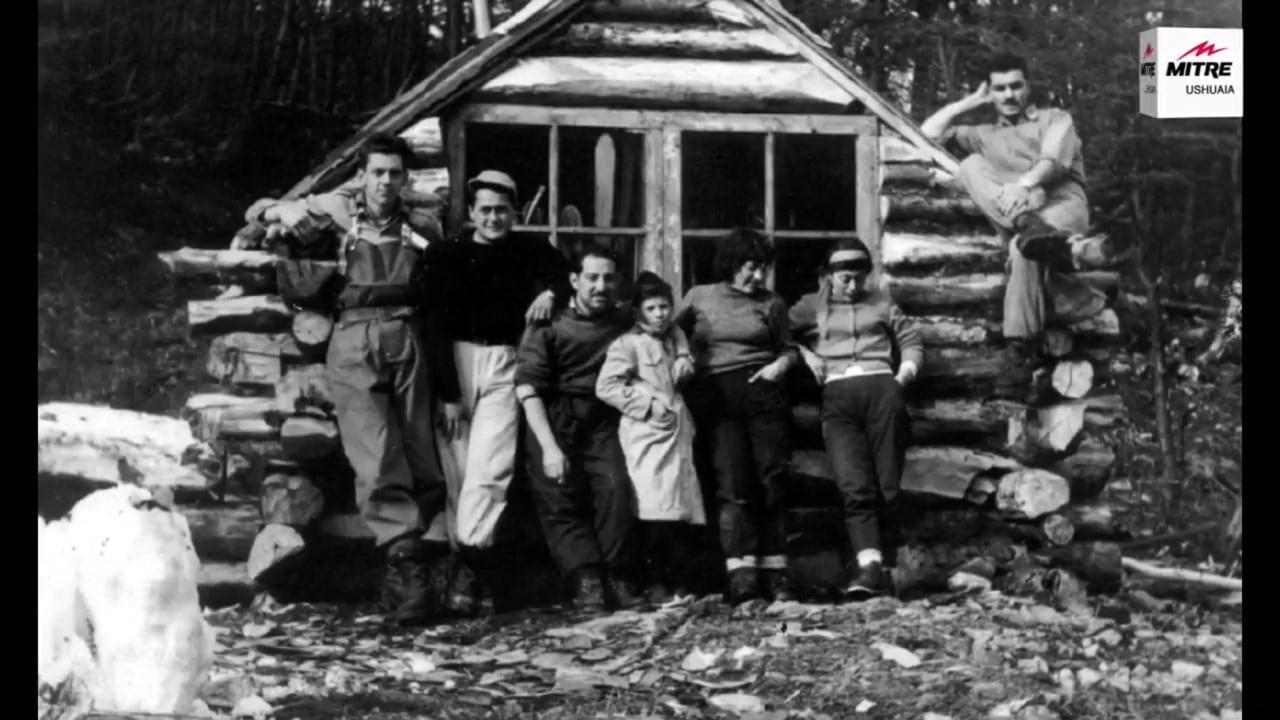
(553, 183)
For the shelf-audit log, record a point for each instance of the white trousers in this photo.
(478, 467)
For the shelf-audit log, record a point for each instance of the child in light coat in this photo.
(641, 377)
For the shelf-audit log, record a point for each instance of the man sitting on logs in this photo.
(382, 371)
(485, 286)
(579, 475)
(1026, 173)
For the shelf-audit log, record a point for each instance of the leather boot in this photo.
(626, 595)
(777, 585)
(588, 590)
(744, 585)
(867, 584)
(1040, 242)
(408, 581)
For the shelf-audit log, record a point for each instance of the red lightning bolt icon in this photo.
(1204, 48)
(1147, 52)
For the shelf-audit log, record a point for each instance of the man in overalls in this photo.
(1026, 173)
(383, 372)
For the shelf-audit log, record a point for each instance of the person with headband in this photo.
(862, 350)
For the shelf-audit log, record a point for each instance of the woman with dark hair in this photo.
(741, 341)
(862, 350)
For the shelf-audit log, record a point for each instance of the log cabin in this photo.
(654, 126)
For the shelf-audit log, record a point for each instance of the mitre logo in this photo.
(1191, 72)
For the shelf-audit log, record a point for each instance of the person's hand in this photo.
(770, 373)
(662, 417)
(451, 419)
(1013, 200)
(979, 97)
(906, 373)
(682, 369)
(540, 309)
(554, 464)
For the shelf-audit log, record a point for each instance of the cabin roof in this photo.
(518, 62)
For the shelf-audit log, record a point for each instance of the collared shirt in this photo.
(564, 356)
(1014, 147)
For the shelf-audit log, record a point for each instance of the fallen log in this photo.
(246, 358)
(103, 446)
(310, 332)
(216, 416)
(1194, 577)
(254, 270)
(290, 499)
(305, 437)
(304, 387)
(669, 40)
(1098, 564)
(222, 533)
(925, 568)
(248, 313)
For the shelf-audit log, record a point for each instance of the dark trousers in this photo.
(865, 428)
(668, 548)
(589, 518)
(747, 428)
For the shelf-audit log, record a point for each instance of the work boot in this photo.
(464, 591)
(744, 585)
(408, 581)
(626, 596)
(866, 584)
(777, 585)
(1040, 242)
(588, 590)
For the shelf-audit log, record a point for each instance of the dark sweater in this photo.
(729, 329)
(481, 292)
(564, 356)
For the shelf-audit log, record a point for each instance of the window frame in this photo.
(662, 235)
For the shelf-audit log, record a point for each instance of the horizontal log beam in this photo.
(983, 292)
(247, 313)
(216, 416)
(932, 208)
(666, 82)
(254, 270)
(903, 252)
(722, 13)
(669, 40)
(250, 358)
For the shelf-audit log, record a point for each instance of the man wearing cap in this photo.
(1026, 173)
(381, 368)
(486, 285)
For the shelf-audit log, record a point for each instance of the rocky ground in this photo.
(961, 656)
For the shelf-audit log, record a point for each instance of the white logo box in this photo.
(1191, 72)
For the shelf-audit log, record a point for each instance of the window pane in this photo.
(798, 265)
(722, 180)
(517, 150)
(597, 164)
(815, 182)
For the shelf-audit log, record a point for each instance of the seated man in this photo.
(1026, 173)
